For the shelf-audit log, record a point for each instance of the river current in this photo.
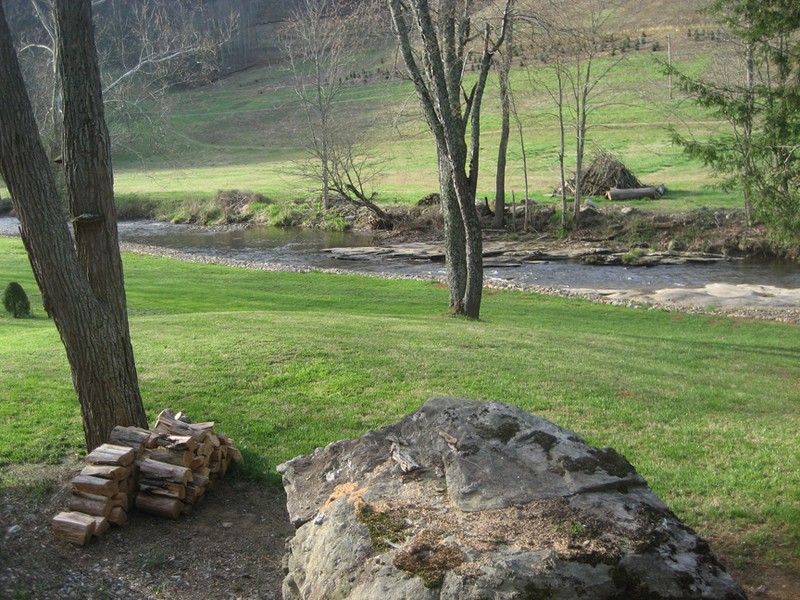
(303, 247)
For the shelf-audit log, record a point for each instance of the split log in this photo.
(205, 448)
(172, 456)
(114, 472)
(118, 516)
(632, 193)
(132, 437)
(162, 506)
(198, 462)
(95, 485)
(121, 499)
(111, 454)
(101, 525)
(193, 493)
(163, 488)
(159, 471)
(174, 442)
(184, 418)
(167, 423)
(90, 504)
(235, 454)
(74, 527)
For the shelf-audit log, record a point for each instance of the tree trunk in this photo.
(81, 284)
(454, 238)
(438, 83)
(505, 126)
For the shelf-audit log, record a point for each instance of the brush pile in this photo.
(163, 471)
(606, 172)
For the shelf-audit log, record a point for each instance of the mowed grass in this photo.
(706, 408)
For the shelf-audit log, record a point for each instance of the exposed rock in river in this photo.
(467, 500)
(515, 253)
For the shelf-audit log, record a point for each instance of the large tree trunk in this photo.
(81, 283)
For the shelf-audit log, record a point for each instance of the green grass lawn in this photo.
(706, 408)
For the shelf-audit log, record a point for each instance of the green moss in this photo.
(385, 528)
(429, 559)
(634, 257)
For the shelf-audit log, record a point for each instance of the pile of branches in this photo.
(606, 172)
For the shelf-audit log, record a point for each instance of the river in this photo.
(303, 247)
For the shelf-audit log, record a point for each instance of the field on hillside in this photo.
(247, 131)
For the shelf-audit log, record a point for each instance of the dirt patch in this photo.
(231, 546)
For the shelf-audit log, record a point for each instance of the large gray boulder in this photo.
(471, 500)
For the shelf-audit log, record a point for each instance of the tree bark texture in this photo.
(505, 128)
(81, 279)
(437, 78)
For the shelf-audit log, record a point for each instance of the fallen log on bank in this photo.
(636, 193)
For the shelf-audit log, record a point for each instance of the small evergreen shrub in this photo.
(16, 301)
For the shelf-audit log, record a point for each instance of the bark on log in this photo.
(159, 505)
(114, 472)
(162, 488)
(95, 485)
(632, 194)
(158, 471)
(181, 458)
(74, 527)
(90, 504)
(132, 437)
(110, 454)
(118, 516)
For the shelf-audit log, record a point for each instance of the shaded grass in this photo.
(704, 407)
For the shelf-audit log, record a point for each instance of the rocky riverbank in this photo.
(749, 302)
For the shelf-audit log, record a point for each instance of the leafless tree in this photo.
(323, 39)
(451, 106)
(144, 49)
(80, 274)
(574, 37)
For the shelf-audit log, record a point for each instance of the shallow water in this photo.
(304, 247)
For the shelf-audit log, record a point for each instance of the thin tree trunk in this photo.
(502, 152)
(522, 148)
(562, 145)
(747, 187)
(580, 135)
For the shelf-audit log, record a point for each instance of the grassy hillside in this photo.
(246, 130)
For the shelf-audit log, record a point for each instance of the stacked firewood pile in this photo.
(163, 471)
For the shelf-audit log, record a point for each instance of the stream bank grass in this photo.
(706, 408)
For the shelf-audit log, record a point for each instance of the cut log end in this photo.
(74, 527)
